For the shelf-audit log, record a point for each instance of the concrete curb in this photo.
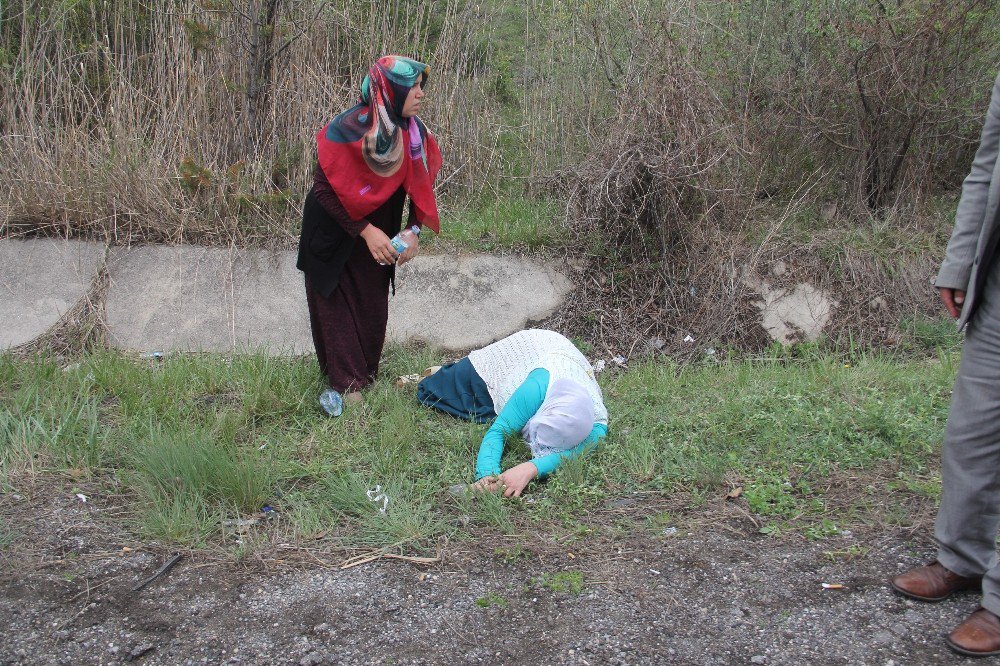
(186, 298)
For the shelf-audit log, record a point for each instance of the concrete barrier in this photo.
(40, 280)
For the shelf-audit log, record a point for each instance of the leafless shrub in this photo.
(735, 121)
(887, 94)
(664, 187)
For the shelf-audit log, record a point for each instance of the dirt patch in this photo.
(716, 591)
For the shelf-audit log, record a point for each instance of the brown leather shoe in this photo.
(933, 583)
(978, 636)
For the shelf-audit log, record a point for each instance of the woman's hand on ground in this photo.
(516, 479)
(379, 245)
(487, 484)
(409, 252)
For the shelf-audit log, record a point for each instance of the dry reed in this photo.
(194, 121)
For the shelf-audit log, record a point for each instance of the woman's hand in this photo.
(379, 245)
(487, 484)
(516, 479)
(410, 251)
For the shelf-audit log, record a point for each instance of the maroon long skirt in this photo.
(348, 327)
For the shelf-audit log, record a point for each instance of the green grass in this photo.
(201, 441)
(492, 599)
(920, 231)
(7, 535)
(566, 582)
(511, 222)
(929, 335)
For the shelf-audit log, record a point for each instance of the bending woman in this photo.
(534, 382)
(371, 157)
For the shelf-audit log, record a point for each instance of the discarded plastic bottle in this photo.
(404, 238)
(331, 402)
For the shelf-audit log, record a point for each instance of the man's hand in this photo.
(410, 252)
(953, 300)
(379, 245)
(516, 479)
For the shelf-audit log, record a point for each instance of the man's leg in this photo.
(969, 517)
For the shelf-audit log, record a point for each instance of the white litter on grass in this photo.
(599, 366)
(242, 522)
(688, 339)
(81, 497)
(376, 495)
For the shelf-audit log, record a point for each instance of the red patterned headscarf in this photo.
(370, 150)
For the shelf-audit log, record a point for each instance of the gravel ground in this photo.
(711, 594)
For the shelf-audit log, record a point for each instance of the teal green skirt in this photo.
(458, 390)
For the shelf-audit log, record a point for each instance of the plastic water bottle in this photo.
(404, 238)
(331, 402)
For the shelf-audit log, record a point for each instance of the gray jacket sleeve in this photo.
(961, 253)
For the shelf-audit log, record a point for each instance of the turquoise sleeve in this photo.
(512, 418)
(547, 464)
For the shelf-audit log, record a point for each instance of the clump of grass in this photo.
(493, 510)
(190, 479)
(566, 582)
(7, 535)
(492, 599)
(930, 335)
(395, 513)
(62, 426)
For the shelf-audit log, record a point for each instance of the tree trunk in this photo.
(265, 19)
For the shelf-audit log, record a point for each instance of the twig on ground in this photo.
(90, 589)
(162, 570)
(349, 564)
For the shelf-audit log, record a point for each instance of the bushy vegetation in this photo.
(682, 147)
(824, 137)
(194, 119)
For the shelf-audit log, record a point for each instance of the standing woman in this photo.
(371, 157)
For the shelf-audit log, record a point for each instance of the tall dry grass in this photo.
(194, 120)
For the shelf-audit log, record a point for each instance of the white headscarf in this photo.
(564, 420)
